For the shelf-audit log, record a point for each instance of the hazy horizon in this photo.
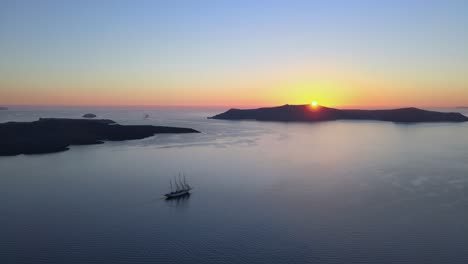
(220, 107)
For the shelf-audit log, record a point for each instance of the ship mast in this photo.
(181, 182)
(177, 185)
(185, 184)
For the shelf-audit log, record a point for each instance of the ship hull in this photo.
(176, 194)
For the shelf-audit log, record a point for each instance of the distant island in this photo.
(309, 113)
(89, 115)
(462, 107)
(3, 108)
(49, 135)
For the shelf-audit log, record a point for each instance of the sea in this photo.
(264, 192)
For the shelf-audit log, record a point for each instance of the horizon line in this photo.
(224, 106)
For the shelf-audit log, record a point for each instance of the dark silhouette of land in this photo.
(308, 113)
(49, 135)
(3, 108)
(89, 115)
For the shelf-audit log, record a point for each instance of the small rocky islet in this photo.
(89, 115)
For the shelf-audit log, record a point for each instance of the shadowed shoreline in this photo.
(48, 135)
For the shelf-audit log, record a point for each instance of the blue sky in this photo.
(166, 48)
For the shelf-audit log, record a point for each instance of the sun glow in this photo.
(314, 104)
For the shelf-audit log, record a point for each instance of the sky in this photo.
(234, 53)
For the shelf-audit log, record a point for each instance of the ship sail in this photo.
(181, 187)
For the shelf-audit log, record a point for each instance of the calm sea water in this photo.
(331, 192)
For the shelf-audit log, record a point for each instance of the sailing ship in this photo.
(182, 188)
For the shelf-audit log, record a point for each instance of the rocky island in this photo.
(89, 115)
(309, 113)
(49, 135)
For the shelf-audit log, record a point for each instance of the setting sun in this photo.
(314, 103)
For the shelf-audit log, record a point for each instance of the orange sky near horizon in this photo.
(332, 89)
(288, 95)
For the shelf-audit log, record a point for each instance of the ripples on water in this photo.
(331, 192)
